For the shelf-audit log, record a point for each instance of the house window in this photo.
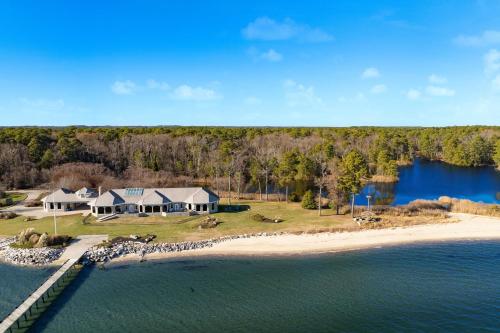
(156, 209)
(58, 205)
(189, 206)
(100, 210)
(118, 209)
(51, 205)
(213, 206)
(197, 208)
(93, 209)
(165, 208)
(205, 207)
(148, 209)
(108, 210)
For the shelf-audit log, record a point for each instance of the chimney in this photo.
(99, 190)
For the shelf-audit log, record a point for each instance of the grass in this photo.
(14, 196)
(180, 228)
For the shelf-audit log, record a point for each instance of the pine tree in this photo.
(308, 201)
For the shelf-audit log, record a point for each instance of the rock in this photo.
(35, 256)
(103, 254)
(34, 239)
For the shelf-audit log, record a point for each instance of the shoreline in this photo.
(468, 228)
(462, 227)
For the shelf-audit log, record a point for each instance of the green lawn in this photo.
(175, 229)
(15, 196)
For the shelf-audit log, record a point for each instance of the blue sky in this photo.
(279, 63)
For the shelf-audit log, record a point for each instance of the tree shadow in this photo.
(233, 208)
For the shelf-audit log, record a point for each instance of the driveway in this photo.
(37, 212)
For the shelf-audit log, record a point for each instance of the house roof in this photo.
(63, 195)
(155, 196)
(109, 198)
(85, 190)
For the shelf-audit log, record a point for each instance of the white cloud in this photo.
(370, 73)
(252, 100)
(436, 79)
(297, 94)
(187, 93)
(271, 55)
(43, 104)
(265, 28)
(413, 94)
(153, 84)
(123, 87)
(495, 83)
(378, 89)
(360, 96)
(488, 37)
(491, 61)
(440, 91)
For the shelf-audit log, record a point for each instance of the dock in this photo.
(25, 315)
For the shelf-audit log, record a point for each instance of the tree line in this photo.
(265, 160)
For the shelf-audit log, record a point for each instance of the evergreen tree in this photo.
(47, 159)
(308, 201)
(496, 156)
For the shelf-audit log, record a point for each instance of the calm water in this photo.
(16, 283)
(430, 180)
(419, 288)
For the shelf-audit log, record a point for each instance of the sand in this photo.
(468, 227)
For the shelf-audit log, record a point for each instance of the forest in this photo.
(262, 160)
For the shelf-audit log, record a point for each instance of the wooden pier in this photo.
(25, 315)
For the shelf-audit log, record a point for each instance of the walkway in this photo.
(79, 246)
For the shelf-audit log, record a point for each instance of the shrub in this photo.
(262, 218)
(42, 241)
(258, 217)
(33, 203)
(29, 238)
(209, 222)
(59, 240)
(294, 197)
(308, 201)
(7, 215)
(6, 202)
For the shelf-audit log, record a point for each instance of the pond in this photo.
(430, 180)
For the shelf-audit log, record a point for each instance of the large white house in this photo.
(64, 199)
(155, 201)
(197, 200)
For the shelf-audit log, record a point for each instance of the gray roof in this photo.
(63, 195)
(109, 198)
(155, 196)
(85, 190)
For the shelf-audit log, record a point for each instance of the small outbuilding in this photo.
(65, 200)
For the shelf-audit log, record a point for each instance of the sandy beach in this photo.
(468, 227)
